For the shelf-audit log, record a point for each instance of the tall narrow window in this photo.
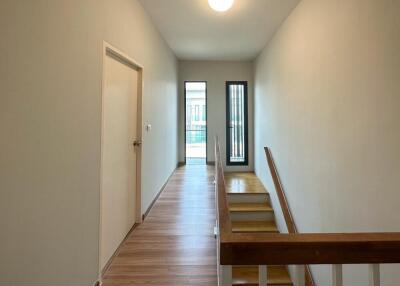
(236, 123)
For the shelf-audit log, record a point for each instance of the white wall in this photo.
(216, 73)
(50, 103)
(327, 103)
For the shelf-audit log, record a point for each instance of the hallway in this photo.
(175, 244)
(117, 115)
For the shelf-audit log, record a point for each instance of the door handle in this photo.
(137, 143)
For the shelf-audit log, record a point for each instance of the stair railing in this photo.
(287, 214)
(297, 249)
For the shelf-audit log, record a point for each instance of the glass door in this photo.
(196, 122)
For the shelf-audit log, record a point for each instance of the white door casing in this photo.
(120, 160)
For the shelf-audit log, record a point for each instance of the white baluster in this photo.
(225, 275)
(262, 275)
(374, 275)
(300, 272)
(337, 275)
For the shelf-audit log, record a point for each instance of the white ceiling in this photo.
(195, 32)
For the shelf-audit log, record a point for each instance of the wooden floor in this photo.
(175, 245)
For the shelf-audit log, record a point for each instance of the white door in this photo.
(118, 176)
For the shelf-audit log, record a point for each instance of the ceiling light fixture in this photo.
(221, 5)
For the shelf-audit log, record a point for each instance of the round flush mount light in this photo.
(221, 5)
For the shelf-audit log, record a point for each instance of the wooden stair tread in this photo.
(250, 207)
(243, 182)
(248, 275)
(245, 191)
(254, 226)
(246, 175)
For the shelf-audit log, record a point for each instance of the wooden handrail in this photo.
(302, 249)
(287, 214)
(295, 248)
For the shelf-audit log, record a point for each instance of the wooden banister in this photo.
(281, 194)
(295, 248)
(313, 248)
(287, 214)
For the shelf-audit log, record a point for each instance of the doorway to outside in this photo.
(195, 122)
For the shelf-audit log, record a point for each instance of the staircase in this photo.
(251, 212)
(249, 247)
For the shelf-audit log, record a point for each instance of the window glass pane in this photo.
(237, 120)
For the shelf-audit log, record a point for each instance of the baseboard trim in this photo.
(115, 254)
(209, 163)
(104, 270)
(158, 195)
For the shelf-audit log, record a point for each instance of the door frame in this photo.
(184, 118)
(107, 51)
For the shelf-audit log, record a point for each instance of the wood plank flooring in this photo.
(175, 245)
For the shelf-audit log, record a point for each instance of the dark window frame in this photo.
(246, 127)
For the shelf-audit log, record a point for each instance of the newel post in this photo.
(262, 275)
(337, 275)
(300, 272)
(374, 275)
(225, 275)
